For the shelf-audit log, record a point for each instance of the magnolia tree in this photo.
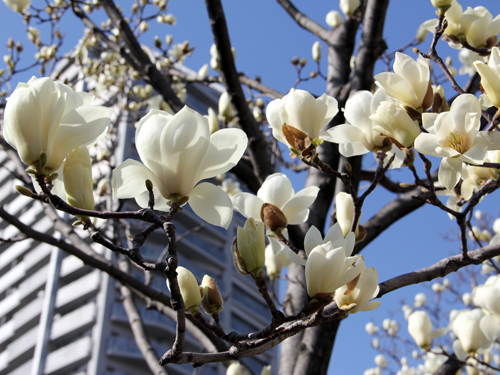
(401, 116)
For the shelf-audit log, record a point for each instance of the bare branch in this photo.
(304, 21)
(257, 145)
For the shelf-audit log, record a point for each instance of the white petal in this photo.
(129, 179)
(224, 152)
(427, 144)
(334, 233)
(248, 205)
(276, 189)
(212, 204)
(312, 239)
(449, 172)
(184, 142)
(299, 203)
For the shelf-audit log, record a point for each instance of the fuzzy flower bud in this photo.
(189, 288)
(333, 19)
(316, 51)
(349, 6)
(250, 246)
(212, 300)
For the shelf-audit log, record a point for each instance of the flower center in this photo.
(456, 142)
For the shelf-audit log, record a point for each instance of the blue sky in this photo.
(266, 39)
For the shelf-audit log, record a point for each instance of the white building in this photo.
(58, 316)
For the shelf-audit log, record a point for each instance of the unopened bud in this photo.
(211, 298)
(295, 60)
(189, 288)
(24, 191)
(157, 42)
(273, 217)
(316, 51)
(303, 62)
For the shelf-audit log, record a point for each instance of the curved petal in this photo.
(449, 172)
(334, 233)
(224, 151)
(467, 189)
(312, 239)
(358, 111)
(129, 180)
(300, 202)
(398, 88)
(276, 189)
(427, 144)
(476, 154)
(248, 205)
(212, 204)
(184, 142)
(332, 108)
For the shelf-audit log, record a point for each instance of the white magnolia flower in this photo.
(487, 296)
(177, 152)
(300, 111)
(484, 29)
(475, 331)
(276, 258)
(251, 246)
(328, 269)
(334, 239)
(420, 300)
(394, 122)
(358, 137)
(356, 295)
(490, 79)
(344, 207)
(467, 58)
(43, 116)
(420, 328)
(333, 19)
(234, 368)
(20, 6)
(276, 202)
(455, 137)
(410, 83)
(77, 172)
(433, 362)
(473, 179)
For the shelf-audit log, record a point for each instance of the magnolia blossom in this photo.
(484, 29)
(356, 295)
(475, 331)
(225, 107)
(276, 203)
(420, 328)
(276, 258)
(410, 83)
(487, 296)
(473, 179)
(20, 6)
(189, 288)
(358, 137)
(334, 239)
(234, 368)
(328, 269)
(490, 79)
(297, 119)
(344, 206)
(393, 121)
(455, 137)
(43, 116)
(77, 172)
(212, 300)
(177, 152)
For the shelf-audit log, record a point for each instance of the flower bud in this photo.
(421, 34)
(441, 5)
(143, 26)
(225, 107)
(273, 218)
(266, 370)
(303, 62)
(211, 298)
(333, 19)
(189, 288)
(344, 205)
(203, 72)
(316, 51)
(349, 6)
(213, 123)
(251, 246)
(78, 183)
(234, 369)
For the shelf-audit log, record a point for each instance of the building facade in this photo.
(60, 317)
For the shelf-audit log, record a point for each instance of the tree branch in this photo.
(304, 21)
(257, 145)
